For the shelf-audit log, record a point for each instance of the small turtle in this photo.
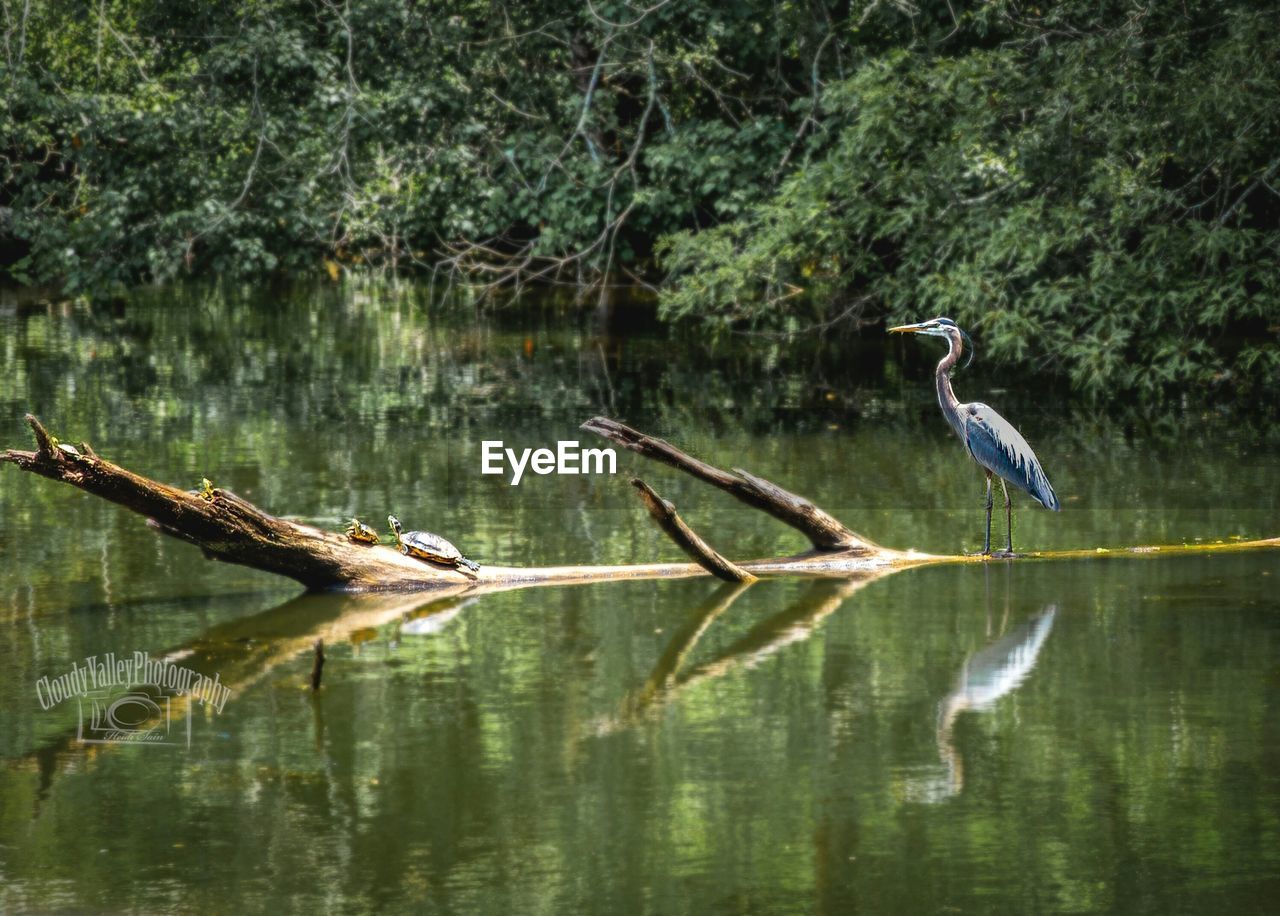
(206, 489)
(62, 449)
(360, 533)
(423, 545)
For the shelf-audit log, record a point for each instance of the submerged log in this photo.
(228, 528)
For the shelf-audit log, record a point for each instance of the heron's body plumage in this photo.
(997, 446)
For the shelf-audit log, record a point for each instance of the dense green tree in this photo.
(1091, 186)
(144, 138)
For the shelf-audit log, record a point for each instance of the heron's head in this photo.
(939, 327)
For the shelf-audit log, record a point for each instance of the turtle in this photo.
(206, 489)
(360, 533)
(423, 545)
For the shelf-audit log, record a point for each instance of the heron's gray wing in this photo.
(998, 447)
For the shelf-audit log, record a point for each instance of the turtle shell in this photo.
(429, 546)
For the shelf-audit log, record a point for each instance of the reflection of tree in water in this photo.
(387, 353)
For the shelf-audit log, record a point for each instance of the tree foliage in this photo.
(508, 142)
(1090, 186)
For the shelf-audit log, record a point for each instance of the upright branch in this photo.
(317, 665)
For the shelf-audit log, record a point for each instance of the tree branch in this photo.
(822, 529)
(688, 540)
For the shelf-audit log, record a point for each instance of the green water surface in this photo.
(1076, 736)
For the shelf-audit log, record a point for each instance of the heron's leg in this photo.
(986, 543)
(1008, 514)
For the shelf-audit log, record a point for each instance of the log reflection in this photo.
(243, 652)
(795, 624)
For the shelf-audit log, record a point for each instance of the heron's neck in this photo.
(947, 750)
(946, 397)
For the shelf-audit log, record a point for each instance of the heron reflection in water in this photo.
(987, 676)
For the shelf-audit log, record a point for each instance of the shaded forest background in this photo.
(1094, 188)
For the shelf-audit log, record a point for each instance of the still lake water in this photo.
(1063, 736)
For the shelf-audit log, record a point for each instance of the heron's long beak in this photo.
(908, 328)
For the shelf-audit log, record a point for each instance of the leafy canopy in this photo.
(1090, 187)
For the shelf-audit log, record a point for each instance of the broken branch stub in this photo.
(664, 513)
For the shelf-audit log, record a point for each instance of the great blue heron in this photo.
(990, 439)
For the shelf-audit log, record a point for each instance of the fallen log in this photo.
(231, 529)
(228, 528)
